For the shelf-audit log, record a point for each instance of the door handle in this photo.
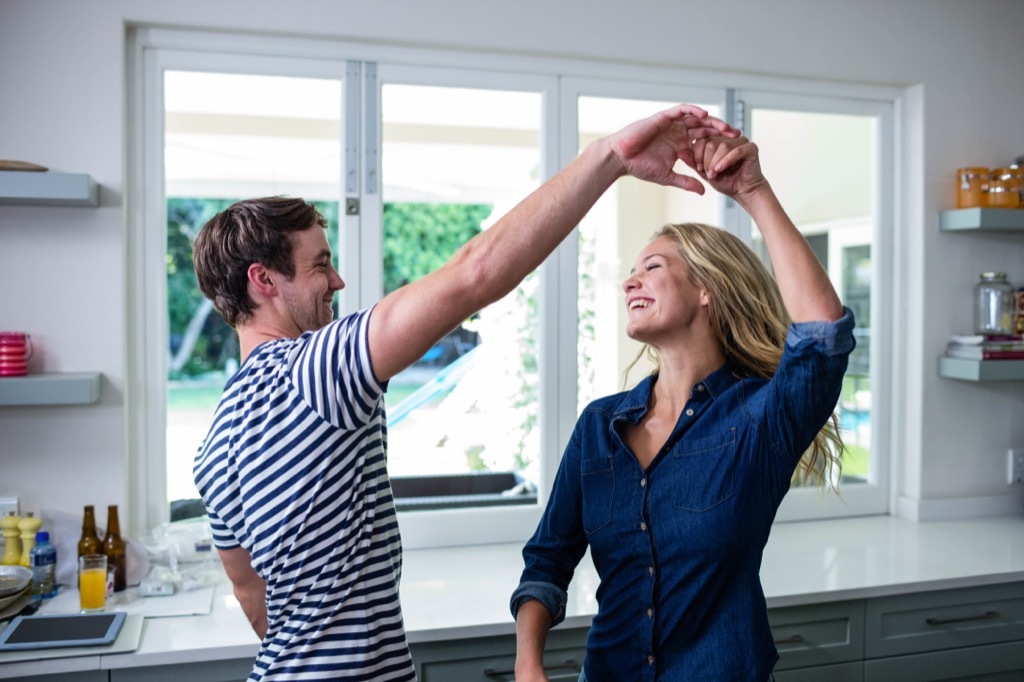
(988, 615)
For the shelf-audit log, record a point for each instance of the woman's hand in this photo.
(649, 149)
(729, 164)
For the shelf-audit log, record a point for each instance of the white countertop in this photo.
(463, 592)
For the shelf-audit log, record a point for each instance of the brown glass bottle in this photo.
(114, 548)
(89, 542)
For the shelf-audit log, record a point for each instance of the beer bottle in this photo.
(90, 542)
(114, 548)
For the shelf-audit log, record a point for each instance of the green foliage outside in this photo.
(420, 238)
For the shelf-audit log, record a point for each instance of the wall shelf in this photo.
(982, 220)
(981, 370)
(29, 188)
(71, 388)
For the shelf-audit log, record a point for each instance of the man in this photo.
(293, 469)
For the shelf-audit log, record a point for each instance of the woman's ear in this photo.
(705, 298)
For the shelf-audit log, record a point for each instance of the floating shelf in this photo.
(48, 189)
(982, 220)
(50, 389)
(981, 370)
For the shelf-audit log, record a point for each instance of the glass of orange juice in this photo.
(92, 582)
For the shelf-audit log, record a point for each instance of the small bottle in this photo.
(43, 560)
(89, 542)
(993, 305)
(12, 545)
(29, 526)
(114, 548)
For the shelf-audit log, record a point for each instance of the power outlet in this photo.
(8, 504)
(1015, 465)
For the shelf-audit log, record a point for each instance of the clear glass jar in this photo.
(993, 304)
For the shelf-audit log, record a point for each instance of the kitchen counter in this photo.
(460, 593)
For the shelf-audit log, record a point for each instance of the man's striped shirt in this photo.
(294, 470)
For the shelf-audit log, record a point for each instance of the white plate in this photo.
(12, 605)
(6, 601)
(14, 580)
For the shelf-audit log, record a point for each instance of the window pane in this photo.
(454, 160)
(610, 237)
(823, 168)
(230, 137)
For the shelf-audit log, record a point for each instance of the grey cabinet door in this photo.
(946, 619)
(818, 634)
(993, 663)
(207, 671)
(492, 659)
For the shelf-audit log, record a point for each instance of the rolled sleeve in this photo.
(547, 594)
(835, 338)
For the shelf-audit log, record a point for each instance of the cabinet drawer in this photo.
(493, 659)
(948, 619)
(992, 663)
(207, 671)
(818, 634)
(840, 672)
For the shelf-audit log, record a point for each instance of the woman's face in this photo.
(660, 298)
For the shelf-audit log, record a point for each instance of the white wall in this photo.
(62, 100)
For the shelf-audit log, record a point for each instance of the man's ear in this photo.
(261, 281)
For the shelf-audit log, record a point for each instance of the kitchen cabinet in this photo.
(818, 634)
(71, 388)
(974, 633)
(29, 188)
(1008, 220)
(86, 676)
(492, 659)
(207, 671)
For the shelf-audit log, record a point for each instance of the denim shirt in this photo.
(678, 546)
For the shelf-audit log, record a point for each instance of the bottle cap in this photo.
(42, 536)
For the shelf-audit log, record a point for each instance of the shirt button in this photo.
(643, 526)
(650, 613)
(689, 412)
(700, 388)
(650, 570)
(643, 482)
(650, 660)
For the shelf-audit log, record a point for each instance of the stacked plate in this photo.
(15, 582)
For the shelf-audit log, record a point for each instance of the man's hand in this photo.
(649, 149)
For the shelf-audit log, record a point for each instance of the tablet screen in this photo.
(62, 630)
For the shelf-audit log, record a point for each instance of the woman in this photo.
(675, 483)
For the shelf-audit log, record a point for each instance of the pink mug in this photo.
(15, 351)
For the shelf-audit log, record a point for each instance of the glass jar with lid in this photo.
(993, 304)
(1005, 186)
(971, 187)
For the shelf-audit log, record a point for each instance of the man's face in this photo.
(309, 294)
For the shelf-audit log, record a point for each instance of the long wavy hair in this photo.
(750, 322)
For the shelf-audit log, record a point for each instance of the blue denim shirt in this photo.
(678, 546)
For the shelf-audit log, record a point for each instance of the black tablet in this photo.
(61, 630)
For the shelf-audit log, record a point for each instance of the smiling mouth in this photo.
(638, 303)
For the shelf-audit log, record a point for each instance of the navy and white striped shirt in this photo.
(294, 470)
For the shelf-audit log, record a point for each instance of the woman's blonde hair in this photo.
(750, 323)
